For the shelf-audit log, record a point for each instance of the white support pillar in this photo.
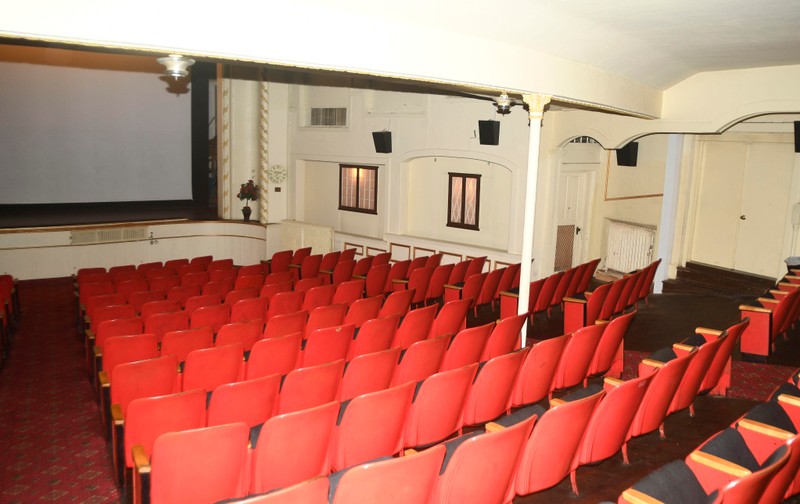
(536, 104)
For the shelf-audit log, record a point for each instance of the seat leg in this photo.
(574, 481)
(625, 459)
(661, 432)
(691, 410)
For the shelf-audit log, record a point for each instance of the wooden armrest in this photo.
(756, 309)
(765, 429)
(410, 451)
(682, 347)
(116, 414)
(494, 427)
(787, 399)
(767, 301)
(614, 382)
(326, 271)
(574, 300)
(403, 281)
(141, 463)
(98, 352)
(600, 321)
(556, 402)
(294, 266)
(791, 285)
(652, 363)
(720, 464)
(451, 286)
(705, 331)
(509, 294)
(102, 378)
(360, 277)
(89, 334)
(636, 497)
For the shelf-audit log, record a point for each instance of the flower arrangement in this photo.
(248, 192)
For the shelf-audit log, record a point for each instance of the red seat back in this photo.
(274, 356)
(490, 394)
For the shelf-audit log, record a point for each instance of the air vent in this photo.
(328, 117)
(112, 235)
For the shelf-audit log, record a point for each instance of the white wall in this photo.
(431, 135)
(49, 253)
(428, 203)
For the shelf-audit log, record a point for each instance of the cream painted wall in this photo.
(633, 193)
(321, 198)
(423, 127)
(428, 204)
(49, 253)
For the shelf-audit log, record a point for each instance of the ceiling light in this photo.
(504, 104)
(176, 65)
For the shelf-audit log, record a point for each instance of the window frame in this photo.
(342, 167)
(464, 177)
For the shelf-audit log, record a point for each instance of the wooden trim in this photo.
(765, 429)
(400, 245)
(373, 251)
(432, 252)
(458, 257)
(756, 309)
(359, 248)
(719, 464)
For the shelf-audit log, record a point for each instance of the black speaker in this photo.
(489, 132)
(797, 136)
(383, 141)
(627, 155)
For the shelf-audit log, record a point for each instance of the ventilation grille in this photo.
(583, 140)
(330, 117)
(88, 236)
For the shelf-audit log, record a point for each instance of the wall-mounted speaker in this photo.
(489, 132)
(797, 136)
(627, 155)
(383, 141)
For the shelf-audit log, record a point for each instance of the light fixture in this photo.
(504, 104)
(176, 65)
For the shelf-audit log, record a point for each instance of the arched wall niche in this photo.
(425, 177)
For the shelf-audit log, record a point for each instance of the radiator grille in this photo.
(630, 246)
(565, 239)
(89, 236)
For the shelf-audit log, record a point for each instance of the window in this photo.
(464, 195)
(358, 188)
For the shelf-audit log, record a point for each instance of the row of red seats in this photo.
(772, 319)
(502, 380)
(312, 385)
(548, 292)
(505, 381)
(244, 321)
(609, 299)
(756, 459)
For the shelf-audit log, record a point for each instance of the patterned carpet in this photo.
(51, 441)
(750, 380)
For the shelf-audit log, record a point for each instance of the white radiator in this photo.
(629, 246)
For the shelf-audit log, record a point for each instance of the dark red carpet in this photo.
(51, 444)
(750, 380)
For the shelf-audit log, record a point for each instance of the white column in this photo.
(669, 209)
(536, 104)
(263, 125)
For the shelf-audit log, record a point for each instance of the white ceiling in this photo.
(655, 42)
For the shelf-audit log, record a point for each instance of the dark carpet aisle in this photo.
(51, 444)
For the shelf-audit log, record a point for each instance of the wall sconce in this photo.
(504, 104)
(176, 65)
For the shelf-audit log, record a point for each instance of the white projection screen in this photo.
(83, 127)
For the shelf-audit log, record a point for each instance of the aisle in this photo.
(51, 440)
